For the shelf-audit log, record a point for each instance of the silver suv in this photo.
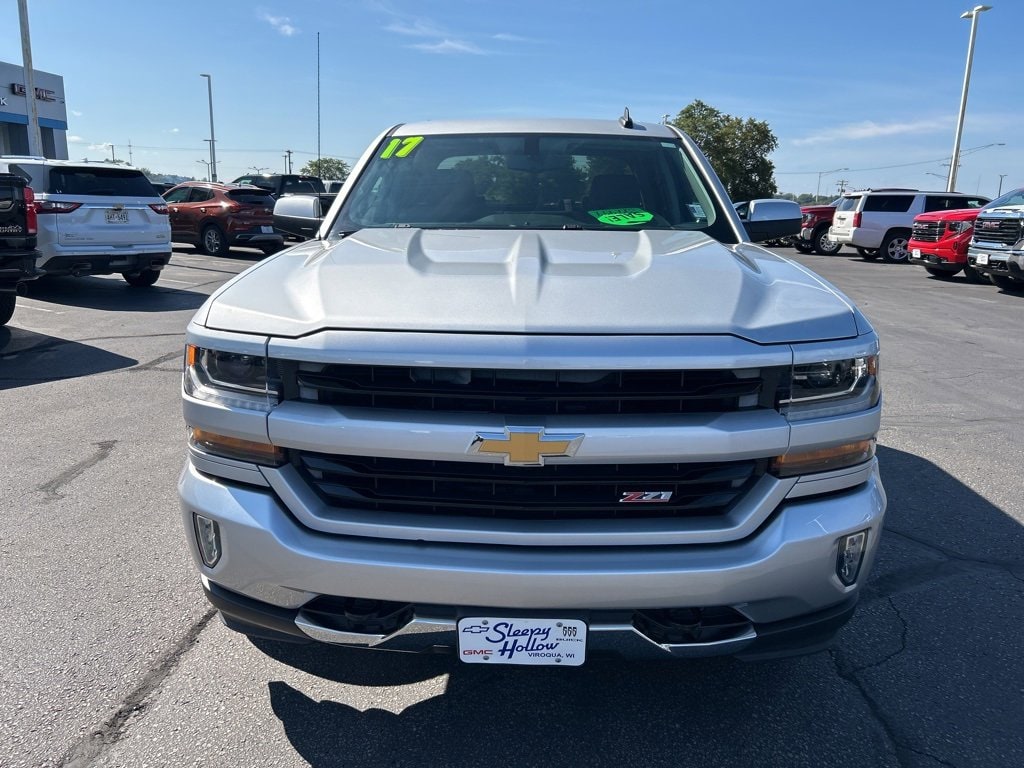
(96, 218)
(534, 393)
(878, 222)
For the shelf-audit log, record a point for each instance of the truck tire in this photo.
(143, 279)
(894, 246)
(822, 244)
(974, 277)
(868, 254)
(7, 302)
(1004, 283)
(803, 247)
(212, 241)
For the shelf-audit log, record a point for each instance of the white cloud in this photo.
(507, 38)
(450, 46)
(76, 113)
(872, 130)
(282, 24)
(104, 146)
(416, 28)
(175, 130)
(76, 140)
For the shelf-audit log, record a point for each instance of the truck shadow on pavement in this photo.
(929, 672)
(115, 295)
(30, 358)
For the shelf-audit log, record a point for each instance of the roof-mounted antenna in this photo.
(626, 121)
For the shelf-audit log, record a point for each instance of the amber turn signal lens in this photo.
(823, 459)
(236, 447)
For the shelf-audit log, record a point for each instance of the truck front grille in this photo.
(550, 492)
(533, 392)
(928, 231)
(1003, 231)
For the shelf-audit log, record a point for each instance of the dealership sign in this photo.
(18, 89)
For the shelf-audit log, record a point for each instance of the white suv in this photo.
(877, 222)
(96, 218)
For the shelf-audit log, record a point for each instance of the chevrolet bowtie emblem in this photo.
(524, 446)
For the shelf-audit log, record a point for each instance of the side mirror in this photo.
(770, 219)
(298, 215)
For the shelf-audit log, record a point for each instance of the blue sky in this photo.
(869, 85)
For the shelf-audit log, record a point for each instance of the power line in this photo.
(887, 167)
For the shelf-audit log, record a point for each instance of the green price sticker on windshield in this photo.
(401, 147)
(622, 217)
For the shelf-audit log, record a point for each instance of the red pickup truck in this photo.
(939, 240)
(813, 237)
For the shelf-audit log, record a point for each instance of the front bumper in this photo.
(782, 576)
(1008, 263)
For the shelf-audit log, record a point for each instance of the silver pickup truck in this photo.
(534, 394)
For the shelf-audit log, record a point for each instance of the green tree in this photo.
(327, 168)
(737, 148)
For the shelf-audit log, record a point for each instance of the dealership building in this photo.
(53, 115)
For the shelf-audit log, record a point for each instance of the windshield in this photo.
(1016, 197)
(530, 181)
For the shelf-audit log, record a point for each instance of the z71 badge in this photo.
(645, 497)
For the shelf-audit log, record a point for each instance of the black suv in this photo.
(18, 252)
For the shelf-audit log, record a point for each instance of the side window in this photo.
(178, 195)
(200, 195)
(945, 203)
(888, 203)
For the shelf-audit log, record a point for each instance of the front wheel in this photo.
(213, 242)
(801, 246)
(7, 302)
(143, 279)
(823, 244)
(868, 254)
(894, 247)
(1005, 283)
(974, 277)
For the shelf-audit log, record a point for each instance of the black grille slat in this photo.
(538, 392)
(550, 492)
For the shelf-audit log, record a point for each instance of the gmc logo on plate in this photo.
(477, 652)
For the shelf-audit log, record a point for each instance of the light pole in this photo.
(973, 16)
(212, 139)
(817, 190)
(1001, 177)
(207, 164)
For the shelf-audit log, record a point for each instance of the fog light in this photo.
(851, 555)
(208, 537)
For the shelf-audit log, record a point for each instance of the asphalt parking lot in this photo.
(110, 656)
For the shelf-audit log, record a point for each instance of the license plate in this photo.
(491, 640)
(916, 253)
(116, 217)
(981, 258)
(267, 230)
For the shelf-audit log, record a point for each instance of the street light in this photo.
(1001, 177)
(973, 16)
(207, 164)
(212, 140)
(817, 190)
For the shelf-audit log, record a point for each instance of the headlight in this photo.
(957, 227)
(832, 387)
(229, 378)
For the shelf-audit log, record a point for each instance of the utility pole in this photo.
(1001, 177)
(131, 159)
(287, 161)
(112, 158)
(35, 138)
(841, 185)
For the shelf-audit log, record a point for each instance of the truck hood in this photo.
(957, 214)
(542, 282)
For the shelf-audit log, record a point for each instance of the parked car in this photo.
(214, 217)
(996, 248)
(526, 415)
(939, 240)
(282, 183)
(814, 226)
(18, 252)
(96, 218)
(878, 222)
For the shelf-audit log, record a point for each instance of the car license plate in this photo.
(981, 258)
(492, 640)
(267, 230)
(115, 216)
(916, 253)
